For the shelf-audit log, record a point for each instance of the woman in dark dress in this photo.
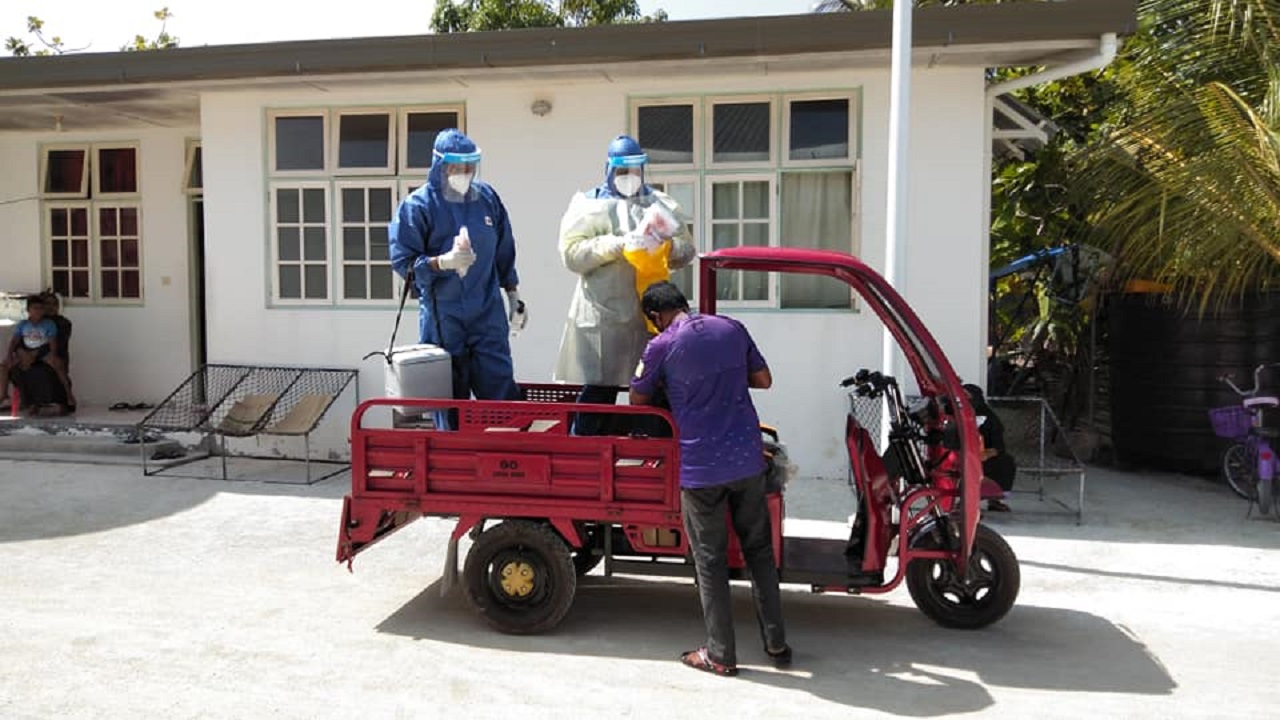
(997, 463)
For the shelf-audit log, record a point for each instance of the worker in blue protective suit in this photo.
(605, 332)
(452, 237)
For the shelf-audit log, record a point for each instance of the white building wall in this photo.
(538, 163)
(121, 352)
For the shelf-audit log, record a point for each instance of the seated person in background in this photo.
(997, 464)
(53, 311)
(34, 342)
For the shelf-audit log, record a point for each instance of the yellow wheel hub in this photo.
(517, 578)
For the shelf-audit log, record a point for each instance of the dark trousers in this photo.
(604, 424)
(704, 522)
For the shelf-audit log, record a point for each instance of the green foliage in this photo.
(36, 43)
(476, 15)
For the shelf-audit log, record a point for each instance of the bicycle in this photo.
(1249, 463)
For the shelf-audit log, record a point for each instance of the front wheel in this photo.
(1240, 469)
(520, 577)
(966, 602)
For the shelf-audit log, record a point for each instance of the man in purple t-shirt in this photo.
(707, 364)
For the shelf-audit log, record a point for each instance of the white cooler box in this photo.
(417, 371)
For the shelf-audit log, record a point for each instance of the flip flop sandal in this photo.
(141, 406)
(782, 658)
(700, 659)
(120, 406)
(169, 454)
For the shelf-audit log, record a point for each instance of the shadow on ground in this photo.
(858, 652)
(40, 500)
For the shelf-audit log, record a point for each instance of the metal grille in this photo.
(869, 412)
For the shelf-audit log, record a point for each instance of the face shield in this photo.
(626, 174)
(458, 171)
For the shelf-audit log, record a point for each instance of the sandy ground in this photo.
(126, 596)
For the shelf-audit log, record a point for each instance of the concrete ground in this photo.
(126, 596)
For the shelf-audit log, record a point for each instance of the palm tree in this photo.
(1184, 187)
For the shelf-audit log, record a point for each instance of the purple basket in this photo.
(1232, 422)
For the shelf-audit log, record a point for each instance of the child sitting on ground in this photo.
(35, 340)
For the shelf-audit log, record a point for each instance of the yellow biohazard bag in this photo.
(651, 267)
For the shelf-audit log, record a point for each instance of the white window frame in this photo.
(667, 179)
(96, 149)
(335, 140)
(855, 152)
(95, 254)
(273, 238)
(84, 178)
(324, 114)
(709, 223)
(193, 147)
(697, 129)
(50, 268)
(708, 158)
(339, 258)
(401, 131)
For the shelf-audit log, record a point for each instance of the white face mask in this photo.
(627, 185)
(460, 183)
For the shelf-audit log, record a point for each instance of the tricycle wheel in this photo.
(966, 603)
(520, 577)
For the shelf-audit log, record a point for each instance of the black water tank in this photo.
(1164, 368)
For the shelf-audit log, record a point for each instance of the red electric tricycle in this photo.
(543, 506)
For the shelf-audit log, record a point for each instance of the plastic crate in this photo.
(1231, 422)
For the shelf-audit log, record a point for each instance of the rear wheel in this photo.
(520, 577)
(1240, 469)
(1266, 495)
(968, 602)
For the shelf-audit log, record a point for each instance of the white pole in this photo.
(895, 261)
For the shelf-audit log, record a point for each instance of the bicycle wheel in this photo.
(1240, 468)
(1266, 495)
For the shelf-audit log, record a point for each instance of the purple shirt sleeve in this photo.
(755, 361)
(649, 372)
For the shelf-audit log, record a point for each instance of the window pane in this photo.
(65, 171)
(682, 193)
(118, 170)
(380, 286)
(353, 282)
(380, 205)
(364, 141)
(740, 132)
(300, 143)
(110, 284)
(816, 212)
(80, 253)
(287, 206)
(316, 282)
(755, 200)
(60, 254)
(683, 279)
(110, 253)
(379, 247)
(79, 222)
(107, 221)
(290, 281)
(290, 248)
(129, 221)
(80, 283)
(724, 201)
(724, 236)
(131, 284)
(352, 205)
(58, 222)
(353, 243)
(666, 133)
(313, 244)
(819, 129)
(62, 282)
(755, 235)
(129, 253)
(195, 180)
(755, 286)
(422, 131)
(313, 205)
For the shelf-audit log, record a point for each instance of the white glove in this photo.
(460, 256)
(517, 315)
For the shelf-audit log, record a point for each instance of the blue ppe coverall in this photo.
(462, 314)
